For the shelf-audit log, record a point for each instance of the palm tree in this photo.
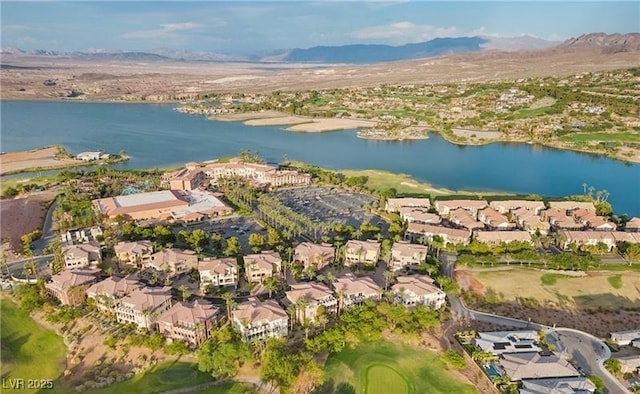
(301, 305)
(270, 284)
(388, 276)
(229, 302)
(293, 313)
(185, 292)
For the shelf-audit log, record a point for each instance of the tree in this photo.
(223, 354)
(233, 247)
(388, 277)
(186, 293)
(271, 284)
(229, 302)
(256, 241)
(278, 366)
(273, 238)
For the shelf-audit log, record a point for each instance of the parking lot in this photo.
(232, 226)
(331, 205)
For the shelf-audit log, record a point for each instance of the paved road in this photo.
(42, 265)
(48, 235)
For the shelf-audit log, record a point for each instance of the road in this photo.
(48, 235)
(42, 265)
(586, 350)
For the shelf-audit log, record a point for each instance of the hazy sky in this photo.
(247, 27)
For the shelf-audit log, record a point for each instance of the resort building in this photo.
(142, 307)
(194, 174)
(395, 204)
(69, 287)
(500, 342)
(361, 252)
(218, 272)
(444, 207)
(512, 205)
(257, 320)
(353, 290)
(426, 232)
(495, 238)
(163, 205)
(313, 295)
(418, 215)
(81, 255)
(108, 292)
(173, 261)
(260, 266)
(310, 254)
(190, 323)
(572, 385)
(404, 254)
(495, 220)
(532, 365)
(134, 254)
(418, 290)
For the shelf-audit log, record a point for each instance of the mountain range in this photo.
(362, 53)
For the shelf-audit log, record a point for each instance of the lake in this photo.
(156, 136)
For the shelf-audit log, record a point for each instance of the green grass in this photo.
(29, 351)
(384, 380)
(551, 279)
(582, 138)
(615, 281)
(531, 113)
(390, 368)
(404, 184)
(228, 388)
(162, 377)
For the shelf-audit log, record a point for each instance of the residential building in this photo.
(142, 307)
(463, 218)
(136, 253)
(569, 206)
(512, 205)
(257, 320)
(590, 238)
(624, 338)
(405, 254)
(560, 221)
(416, 231)
(317, 255)
(571, 385)
(218, 272)
(189, 322)
(495, 238)
(418, 215)
(633, 225)
(69, 287)
(314, 294)
(501, 342)
(108, 292)
(630, 364)
(89, 156)
(444, 207)
(532, 365)
(495, 220)
(353, 290)
(173, 261)
(529, 221)
(82, 255)
(361, 252)
(418, 290)
(394, 204)
(260, 266)
(80, 236)
(591, 220)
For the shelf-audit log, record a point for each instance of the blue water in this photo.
(155, 136)
(492, 371)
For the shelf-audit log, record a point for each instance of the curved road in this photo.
(588, 351)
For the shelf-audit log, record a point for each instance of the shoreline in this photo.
(295, 123)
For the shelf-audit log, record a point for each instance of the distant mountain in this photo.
(606, 43)
(185, 55)
(516, 43)
(374, 53)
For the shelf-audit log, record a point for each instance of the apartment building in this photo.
(259, 266)
(361, 252)
(82, 255)
(189, 322)
(418, 290)
(107, 293)
(69, 287)
(310, 254)
(352, 290)
(218, 272)
(134, 254)
(257, 320)
(143, 307)
(314, 295)
(405, 254)
(173, 261)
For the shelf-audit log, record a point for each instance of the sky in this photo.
(243, 27)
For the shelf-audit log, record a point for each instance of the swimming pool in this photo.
(492, 371)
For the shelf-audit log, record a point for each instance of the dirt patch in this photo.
(244, 116)
(476, 135)
(468, 282)
(543, 102)
(44, 158)
(21, 216)
(282, 121)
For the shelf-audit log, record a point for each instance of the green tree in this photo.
(278, 365)
(223, 354)
(256, 241)
(233, 247)
(271, 284)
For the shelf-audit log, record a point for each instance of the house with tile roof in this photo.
(135, 253)
(259, 266)
(418, 290)
(142, 307)
(361, 252)
(69, 287)
(315, 295)
(82, 255)
(310, 254)
(189, 322)
(257, 320)
(221, 272)
(571, 385)
(536, 365)
(395, 204)
(405, 254)
(352, 290)
(416, 231)
(172, 261)
(107, 293)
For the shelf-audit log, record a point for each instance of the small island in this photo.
(53, 157)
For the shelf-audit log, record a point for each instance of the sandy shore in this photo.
(297, 123)
(244, 116)
(332, 124)
(12, 162)
(280, 121)
(477, 134)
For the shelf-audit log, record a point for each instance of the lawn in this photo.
(597, 289)
(162, 377)
(387, 368)
(228, 388)
(582, 138)
(404, 184)
(29, 351)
